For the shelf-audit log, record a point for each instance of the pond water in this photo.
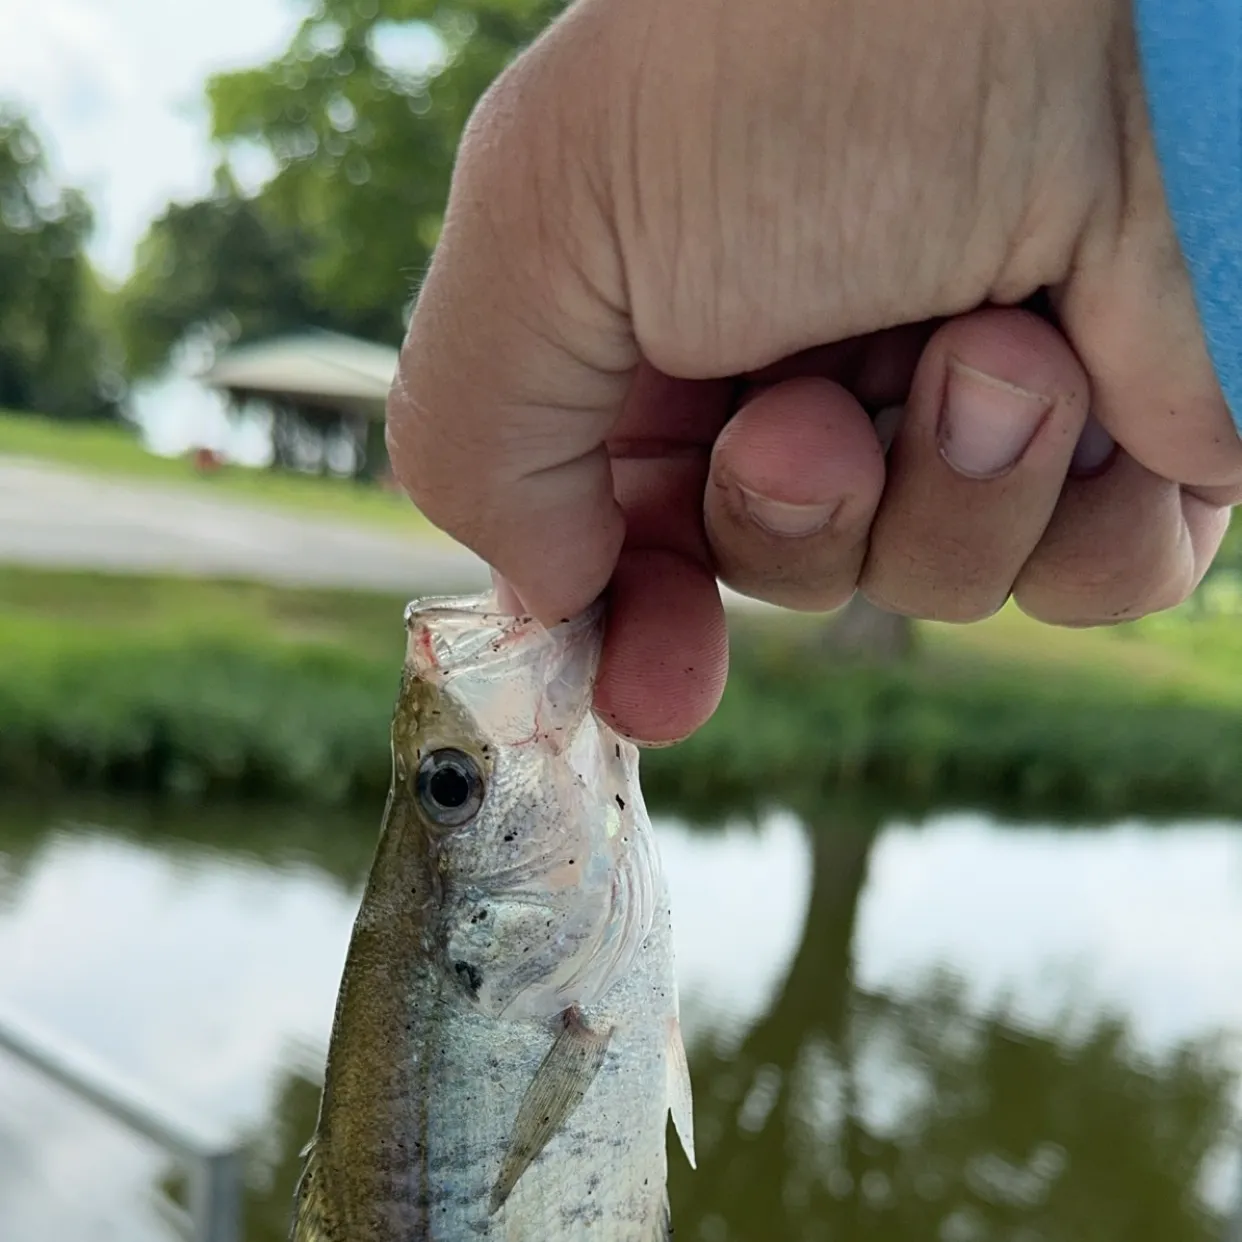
(951, 1030)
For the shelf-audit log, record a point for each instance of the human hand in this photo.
(691, 244)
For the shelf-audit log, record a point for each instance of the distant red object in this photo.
(207, 460)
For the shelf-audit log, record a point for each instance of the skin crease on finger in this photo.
(641, 185)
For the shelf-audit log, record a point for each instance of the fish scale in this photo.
(506, 1048)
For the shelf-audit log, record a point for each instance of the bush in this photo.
(194, 714)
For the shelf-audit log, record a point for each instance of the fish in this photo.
(506, 1049)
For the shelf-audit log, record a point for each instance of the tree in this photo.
(987, 1128)
(863, 631)
(360, 120)
(362, 116)
(55, 357)
(223, 267)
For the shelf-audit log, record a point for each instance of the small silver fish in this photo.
(506, 1049)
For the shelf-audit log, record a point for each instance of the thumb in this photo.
(520, 353)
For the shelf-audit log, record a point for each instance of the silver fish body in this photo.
(506, 1049)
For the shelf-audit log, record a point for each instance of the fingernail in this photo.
(1093, 451)
(778, 517)
(986, 424)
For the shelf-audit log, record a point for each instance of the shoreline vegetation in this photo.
(207, 690)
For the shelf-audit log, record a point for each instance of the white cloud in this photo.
(1145, 920)
(116, 89)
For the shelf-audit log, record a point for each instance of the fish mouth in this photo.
(513, 672)
(455, 634)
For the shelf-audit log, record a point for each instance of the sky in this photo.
(115, 88)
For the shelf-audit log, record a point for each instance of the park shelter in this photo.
(313, 379)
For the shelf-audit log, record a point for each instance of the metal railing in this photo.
(1233, 1229)
(214, 1162)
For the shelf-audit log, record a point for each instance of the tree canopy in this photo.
(222, 266)
(55, 357)
(357, 122)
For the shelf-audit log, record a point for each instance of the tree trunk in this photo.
(861, 631)
(746, 1175)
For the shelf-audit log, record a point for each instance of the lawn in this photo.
(1199, 658)
(116, 452)
(1196, 658)
(204, 687)
(191, 609)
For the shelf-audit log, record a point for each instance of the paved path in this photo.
(51, 516)
(55, 517)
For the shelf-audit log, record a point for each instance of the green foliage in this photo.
(191, 718)
(360, 119)
(224, 266)
(54, 355)
(1003, 735)
(363, 141)
(204, 687)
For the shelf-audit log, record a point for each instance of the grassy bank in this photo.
(194, 688)
(116, 453)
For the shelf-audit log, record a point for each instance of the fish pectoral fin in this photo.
(310, 1201)
(680, 1098)
(556, 1090)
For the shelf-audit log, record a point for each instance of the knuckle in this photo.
(932, 600)
(797, 596)
(955, 577)
(1083, 586)
(809, 574)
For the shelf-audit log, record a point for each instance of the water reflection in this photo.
(879, 1115)
(951, 1030)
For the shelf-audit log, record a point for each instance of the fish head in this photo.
(529, 808)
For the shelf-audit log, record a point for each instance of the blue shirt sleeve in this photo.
(1191, 54)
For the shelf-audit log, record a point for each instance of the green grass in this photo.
(1057, 729)
(72, 606)
(1169, 652)
(196, 687)
(117, 453)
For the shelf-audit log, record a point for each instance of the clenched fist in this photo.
(695, 247)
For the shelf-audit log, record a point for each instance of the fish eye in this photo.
(449, 787)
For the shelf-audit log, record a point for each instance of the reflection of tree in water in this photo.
(853, 1115)
(273, 1162)
(336, 843)
(269, 1201)
(849, 1116)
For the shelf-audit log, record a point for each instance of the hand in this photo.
(691, 244)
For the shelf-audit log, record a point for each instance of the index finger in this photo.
(520, 354)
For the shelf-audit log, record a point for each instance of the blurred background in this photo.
(959, 910)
